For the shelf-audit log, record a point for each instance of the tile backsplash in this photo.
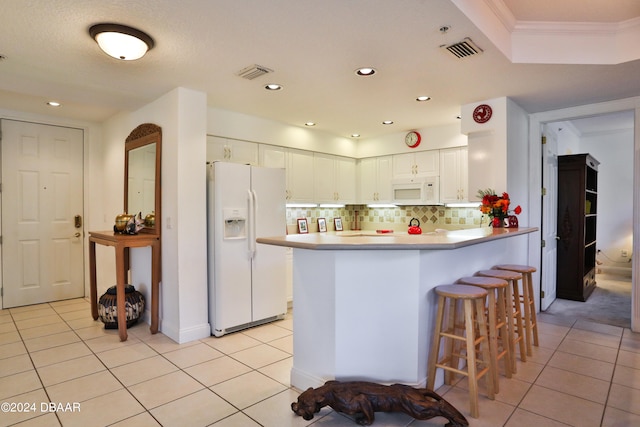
(396, 218)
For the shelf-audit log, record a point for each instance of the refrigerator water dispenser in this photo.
(235, 223)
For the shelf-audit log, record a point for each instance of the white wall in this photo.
(568, 138)
(240, 126)
(614, 151)
(181, 114)
(433, 138)
(499, 152)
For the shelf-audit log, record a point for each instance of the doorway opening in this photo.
(609, 138)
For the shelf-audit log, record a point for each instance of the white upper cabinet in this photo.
(454, 175)
(299, 166)
(272, 156)
(374, 179)
(416, 165)
(346, 178)
(335, 179)
(231, 150)
(300, 175)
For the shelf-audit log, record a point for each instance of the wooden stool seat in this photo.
(500, 274)
(460, 291)
(516, 267)
(499, 318)
(516, 334)
(528, 301)
(474, 334)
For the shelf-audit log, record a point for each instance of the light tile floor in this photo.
(583, 374)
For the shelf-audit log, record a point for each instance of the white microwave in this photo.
(416, 191)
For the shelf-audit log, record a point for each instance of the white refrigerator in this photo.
(247, 280)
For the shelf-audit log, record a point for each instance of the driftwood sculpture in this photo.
(362, 399)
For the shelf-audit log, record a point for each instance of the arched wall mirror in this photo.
(142, 184)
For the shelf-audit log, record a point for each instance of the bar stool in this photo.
(528, 301)
(498, 322)
(473, 301)
(516, 333)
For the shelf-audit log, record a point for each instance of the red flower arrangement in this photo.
(496, 207)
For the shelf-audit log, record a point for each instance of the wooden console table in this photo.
(122, 243)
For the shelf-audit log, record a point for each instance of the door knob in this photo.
(76, 235)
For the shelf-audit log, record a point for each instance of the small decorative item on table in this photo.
(128, 224)
(150, 220)
(134, 225)
(322, 225)
(497, 208)
(121, 222)
(337, 222)
(302, 226)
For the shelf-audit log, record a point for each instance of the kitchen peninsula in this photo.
(363, 301)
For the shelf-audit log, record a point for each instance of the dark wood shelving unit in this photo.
(577, 219)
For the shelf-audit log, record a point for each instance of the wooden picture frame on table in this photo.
(303, 227)
(322, 225)
(337, 222)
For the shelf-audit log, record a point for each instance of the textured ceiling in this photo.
(313, 48)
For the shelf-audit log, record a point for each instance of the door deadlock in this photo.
(77, 221)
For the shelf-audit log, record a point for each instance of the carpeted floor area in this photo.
(610, 303)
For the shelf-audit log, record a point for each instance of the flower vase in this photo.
(497, 222)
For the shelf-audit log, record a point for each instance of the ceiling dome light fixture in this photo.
(273, 86)
(387, 122)
(121, 42)
(423, 98)
(310, 124)
(355, 135)
(365, 71)
(53, 103)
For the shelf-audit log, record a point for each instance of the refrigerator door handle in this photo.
(252, 222)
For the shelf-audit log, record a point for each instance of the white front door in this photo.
(549, 217)
(42, 205)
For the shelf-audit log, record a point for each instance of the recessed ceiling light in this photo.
(120, 41)
(273, 86)
(355, 135)
(387, 122)
(365, 71)
(423, 98)
(310, 124)
(53, 104)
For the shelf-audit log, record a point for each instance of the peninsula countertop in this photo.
(371, 239)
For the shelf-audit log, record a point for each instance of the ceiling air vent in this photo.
(253, 71)
(464, 49)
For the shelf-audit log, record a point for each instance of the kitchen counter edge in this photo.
(367, 240)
